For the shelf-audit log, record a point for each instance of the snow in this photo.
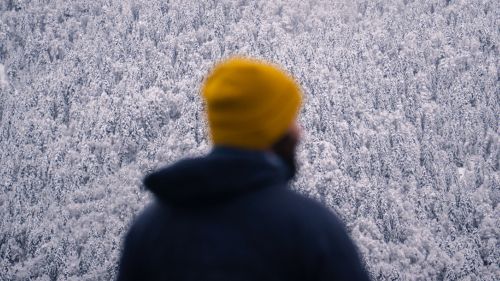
(3, 77)
(400, 123)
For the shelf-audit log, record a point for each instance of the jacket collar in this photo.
(223, 173)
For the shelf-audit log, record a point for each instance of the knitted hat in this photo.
(250, 104)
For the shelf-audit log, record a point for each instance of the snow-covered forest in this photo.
(401, 123)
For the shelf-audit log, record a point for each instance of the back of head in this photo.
(250, 104)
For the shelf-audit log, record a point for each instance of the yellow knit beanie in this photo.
(250, 104)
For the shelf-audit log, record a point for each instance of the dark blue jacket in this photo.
(230, 216)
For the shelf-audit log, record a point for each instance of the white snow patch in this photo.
(3, 77)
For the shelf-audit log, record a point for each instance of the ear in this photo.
(288, 142)
(296, 132)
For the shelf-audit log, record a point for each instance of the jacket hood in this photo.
(223, 173)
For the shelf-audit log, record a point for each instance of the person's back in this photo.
(230, 215)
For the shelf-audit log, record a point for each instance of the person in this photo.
(230, 215)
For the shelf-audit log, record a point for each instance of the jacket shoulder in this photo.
(303, 208)
(321, 237)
